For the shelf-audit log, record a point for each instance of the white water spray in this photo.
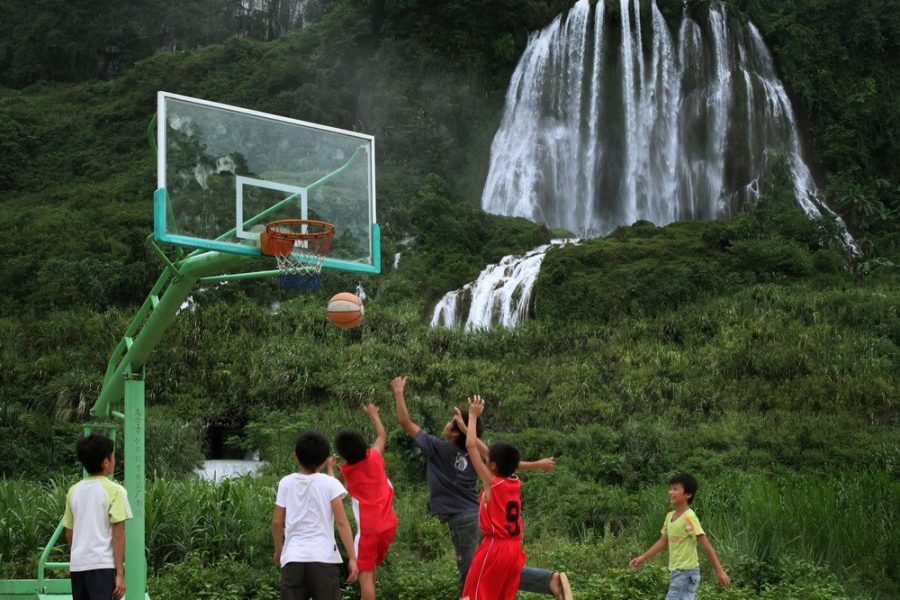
(659, 127)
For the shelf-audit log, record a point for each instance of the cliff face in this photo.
(59, 41)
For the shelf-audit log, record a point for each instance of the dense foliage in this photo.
(755, 352)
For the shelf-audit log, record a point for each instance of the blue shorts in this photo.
(684, 584)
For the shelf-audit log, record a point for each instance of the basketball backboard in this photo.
(224, 172)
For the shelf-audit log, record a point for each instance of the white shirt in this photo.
(309, 520)
(92, 506)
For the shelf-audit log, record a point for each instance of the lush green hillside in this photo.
(758, 353)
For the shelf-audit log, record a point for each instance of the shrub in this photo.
(222, 579)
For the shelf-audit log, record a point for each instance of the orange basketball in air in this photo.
(345, 310)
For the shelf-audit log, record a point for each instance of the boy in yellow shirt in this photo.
(681, 533)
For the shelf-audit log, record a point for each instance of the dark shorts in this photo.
(98, 584)
(302, 581)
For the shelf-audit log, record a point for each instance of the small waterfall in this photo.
(500, 296)
(610, 120)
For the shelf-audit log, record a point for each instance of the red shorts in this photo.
(372, 548)
(495, 571)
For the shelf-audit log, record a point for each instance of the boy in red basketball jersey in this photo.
(373, 499)
(497, 564)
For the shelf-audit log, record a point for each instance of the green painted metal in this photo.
(42, 562)
(373, 269)
(135, 483)
(29, 588)
(51, 596)
(152, 319)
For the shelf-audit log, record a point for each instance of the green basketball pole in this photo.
(135, 483)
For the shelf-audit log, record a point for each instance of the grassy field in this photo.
(799, 537)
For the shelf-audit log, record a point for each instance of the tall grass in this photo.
(29, 513)
(182, 517)
(200, 517)
(769, 531)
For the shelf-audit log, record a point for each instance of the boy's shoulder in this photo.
(512, 481)
(306, 479)
(103, 482)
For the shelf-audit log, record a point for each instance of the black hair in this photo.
(688, 482)
(351, 445)
(506, 456)
(312, 449)
(93, 450)
(461, 438)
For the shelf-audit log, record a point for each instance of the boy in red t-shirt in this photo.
(497, 564)
(373, 499)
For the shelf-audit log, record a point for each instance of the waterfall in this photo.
(500, 296)
(610, 120)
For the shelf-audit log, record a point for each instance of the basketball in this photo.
(345, 310)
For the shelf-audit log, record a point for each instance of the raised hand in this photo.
(476, 405)
(398, 384)
(460, 422)
(371, 410)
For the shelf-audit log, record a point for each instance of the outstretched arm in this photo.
(660, 545)
(545, 464)
(380, 433)
(724, 579)
(476, 407)
(398, 384)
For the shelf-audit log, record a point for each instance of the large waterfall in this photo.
(610, 119)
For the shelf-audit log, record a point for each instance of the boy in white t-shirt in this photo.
(306, 508)
(96, 510)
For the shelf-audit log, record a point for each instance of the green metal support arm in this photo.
(152, 319)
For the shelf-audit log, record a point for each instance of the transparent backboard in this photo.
(224, 172)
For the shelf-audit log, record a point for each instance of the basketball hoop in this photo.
(299, 247)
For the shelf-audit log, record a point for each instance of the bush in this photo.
(222, 579)
(769, 260)
(174, 447)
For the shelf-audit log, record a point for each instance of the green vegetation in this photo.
(800, 537)
(753, 352)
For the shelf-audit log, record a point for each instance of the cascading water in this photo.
(608, 121)
(605, 125)
(500, 296)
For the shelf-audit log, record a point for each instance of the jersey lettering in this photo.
(512, 515)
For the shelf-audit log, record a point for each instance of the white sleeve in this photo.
(280, 499)
(337, 490)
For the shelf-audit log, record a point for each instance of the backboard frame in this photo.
(249, 240)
